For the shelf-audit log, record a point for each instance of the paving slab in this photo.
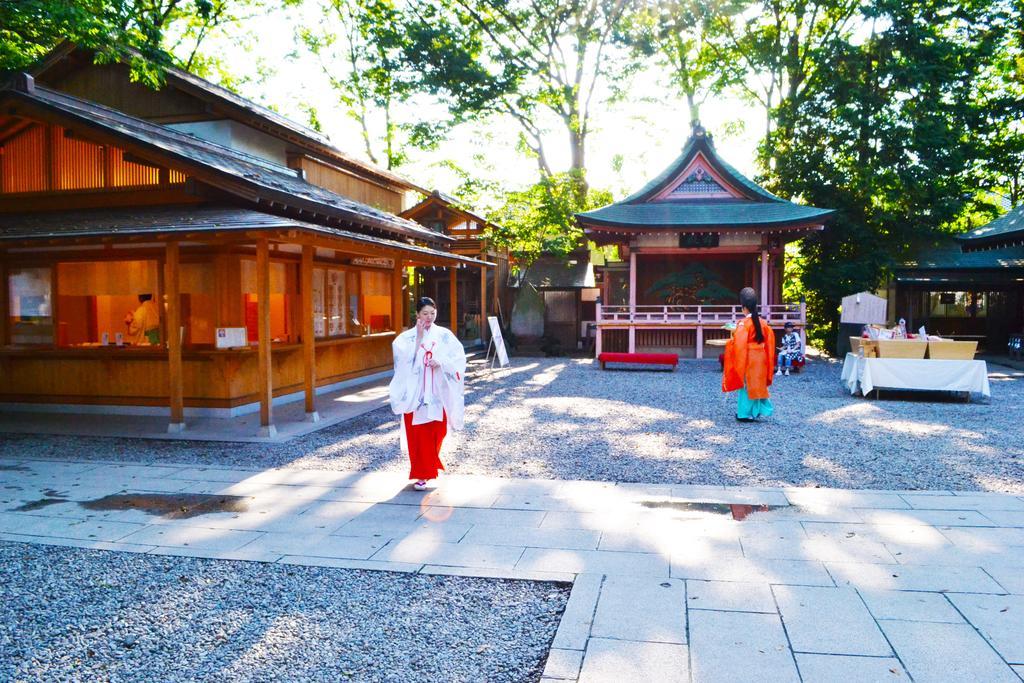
(730, 596)
(322, 545)
(650, 609)
(453, 554)
(563, 664)
(1010, 578)
(617, 661)
(913, 578)
(829, 621)
(574, 628)
(570, 539)
(946, 653)
(999, 618)
(594, 561)
(816, 668)
(792, 572)
(968, 518)
(740, 647)
(911, 606)
(196, 537)
(966, 501)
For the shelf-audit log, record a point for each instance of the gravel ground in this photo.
(565, 419)
(122, 616)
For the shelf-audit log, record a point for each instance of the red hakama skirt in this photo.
(425, 447)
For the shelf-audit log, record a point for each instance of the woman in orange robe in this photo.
(750, 362)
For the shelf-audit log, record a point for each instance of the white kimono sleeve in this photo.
(404, 384)
(451, 378)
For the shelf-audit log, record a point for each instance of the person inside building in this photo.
(427, 390)
(144, 323)
(750, 361)
(791, 352)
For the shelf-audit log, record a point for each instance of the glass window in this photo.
(283, 301)
(99, 300)
(198, 303)
(376, 300)
(958, 304)
(30, 307)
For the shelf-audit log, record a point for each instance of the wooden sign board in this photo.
(497, 341)
(864, 308)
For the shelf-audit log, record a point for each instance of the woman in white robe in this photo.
(427, 390)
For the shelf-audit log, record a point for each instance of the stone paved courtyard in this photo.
(842, 540)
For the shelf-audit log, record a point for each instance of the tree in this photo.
(891, 135)
(676, 33)
(527, 59)
(771, 49)
(359, 46)
(542, 218)
(136, 30)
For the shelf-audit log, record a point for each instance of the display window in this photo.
(30, 308)
(109, 303)
(350, 303)
(284, 301)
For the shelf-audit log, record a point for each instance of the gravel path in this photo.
(123, 616)
(565, 419)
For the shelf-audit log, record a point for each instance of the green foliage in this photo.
(532, 60)
(542, 218)
(891, 135)
(145, 32)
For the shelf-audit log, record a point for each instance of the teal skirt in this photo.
(750, 408)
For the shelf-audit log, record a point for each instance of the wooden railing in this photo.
(686, 316)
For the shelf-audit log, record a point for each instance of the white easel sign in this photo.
(497, 342)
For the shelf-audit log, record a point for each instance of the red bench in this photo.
(639, 358)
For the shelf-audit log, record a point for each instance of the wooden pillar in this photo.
(632, 281)
(172, 280)
(397, 298)
(632, 300)
(5, 293)
(308, 335)
(700, 341)
(597, 333)
(484, 328)
(264, 364)
(453, 291)
(764, 275)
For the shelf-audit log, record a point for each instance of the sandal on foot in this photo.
(420, 485)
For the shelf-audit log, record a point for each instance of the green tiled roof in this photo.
(757, 207)
(948, 255)
(737, 213)
(1008, 226)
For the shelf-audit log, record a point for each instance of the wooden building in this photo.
(970, 286)
(263, 286)
(690, 240)
(477, 296)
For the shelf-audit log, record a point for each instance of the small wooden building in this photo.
(476, 297)
(263, 286)
(690, 240)
(969, 287)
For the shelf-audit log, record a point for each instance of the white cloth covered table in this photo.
(916, 374)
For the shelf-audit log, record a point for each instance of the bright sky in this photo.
(646, 132)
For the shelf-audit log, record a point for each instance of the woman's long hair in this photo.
(748, 299)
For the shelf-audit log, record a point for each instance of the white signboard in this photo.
(497, 341)
(231, 337)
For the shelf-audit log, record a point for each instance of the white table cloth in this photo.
(917, 374)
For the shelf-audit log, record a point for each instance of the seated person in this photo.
(791, 351)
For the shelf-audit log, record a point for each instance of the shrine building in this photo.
(689, 240)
